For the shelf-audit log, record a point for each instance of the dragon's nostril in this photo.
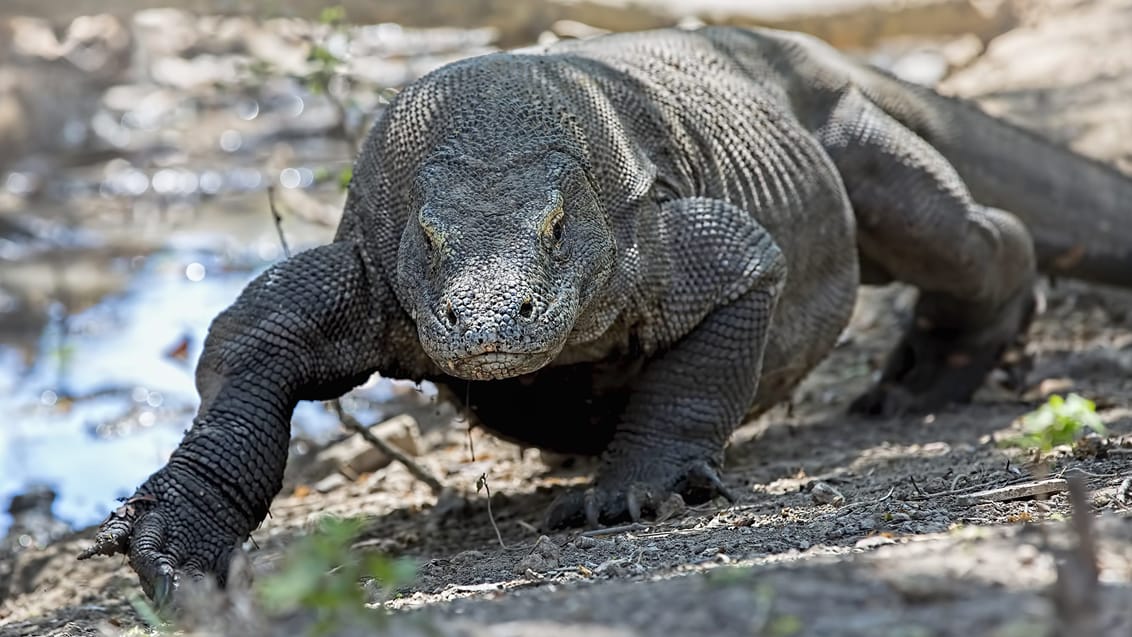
(526, 309)
(450, 314)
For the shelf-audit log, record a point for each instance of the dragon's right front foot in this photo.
(626, 495)
(174, 527)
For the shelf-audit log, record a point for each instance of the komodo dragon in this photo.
(625, 246)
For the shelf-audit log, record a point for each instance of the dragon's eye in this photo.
(427, 220)
(553, 221)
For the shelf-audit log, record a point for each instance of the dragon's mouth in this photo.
(495, 365)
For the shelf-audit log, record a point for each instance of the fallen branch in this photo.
(278, 221)
(614, 530)
(1076, 593)
(953, 491)
(418, 472)
(1015, 492)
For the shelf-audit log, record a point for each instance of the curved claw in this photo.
(114, 533)
(703, 474)
(613, 503)
(639, 498)
(592, 507)
(163, 586)
(167, 540)
(883, 400)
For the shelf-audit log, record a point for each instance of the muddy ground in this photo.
(904, 554)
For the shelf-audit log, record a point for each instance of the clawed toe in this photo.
(601, 504)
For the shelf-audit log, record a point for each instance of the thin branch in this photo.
(1076, 593)
(419, 472)
(482, 482)
(614, 530)
(278, 221)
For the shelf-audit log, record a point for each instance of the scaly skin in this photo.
(624, 247)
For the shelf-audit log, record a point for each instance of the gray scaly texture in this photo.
(624, 247)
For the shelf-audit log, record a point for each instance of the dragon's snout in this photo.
(483, 332)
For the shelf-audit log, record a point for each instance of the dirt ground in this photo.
(904, 554)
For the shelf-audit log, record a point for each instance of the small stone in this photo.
(825, 493)
(332, 482)
(873, 541)
(544, 556)
(465, 557)
(586, 543)
(673, 506)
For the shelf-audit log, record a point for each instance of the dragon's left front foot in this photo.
(618, 496)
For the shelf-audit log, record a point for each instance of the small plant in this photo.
(323, 574)
(1060, 421)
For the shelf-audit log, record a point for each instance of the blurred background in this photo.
(138, 146)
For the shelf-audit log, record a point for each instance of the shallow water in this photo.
(109, 389)
(133, 209)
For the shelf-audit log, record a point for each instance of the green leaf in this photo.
(345, 176)
(333, 15)
(1059, 421)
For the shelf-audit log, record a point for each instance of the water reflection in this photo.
(133, 209)
(108, 400)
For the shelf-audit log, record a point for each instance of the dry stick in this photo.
(348, 420)
(961, 491)
(481, 483)
(1076, 593)
(861, 503)
(419, 472)
(278, 221)
(614, 530)
(1029, 489)
(915, 486)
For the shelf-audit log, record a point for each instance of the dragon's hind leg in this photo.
(916, 221)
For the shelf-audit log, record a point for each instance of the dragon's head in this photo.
(498, 260)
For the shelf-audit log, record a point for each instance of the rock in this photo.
(34, 524)
(543, 557)
(825, 493)
(672, 506)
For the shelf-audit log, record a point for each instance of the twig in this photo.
(278, 221)
(1015, 492)
(853, 505)
(950, 492)
(1076, 593)
(613, 530)
(915, 486)
(481, 483)
(418, 472)
(957, 479)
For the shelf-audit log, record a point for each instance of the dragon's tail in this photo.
(1078, 210)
